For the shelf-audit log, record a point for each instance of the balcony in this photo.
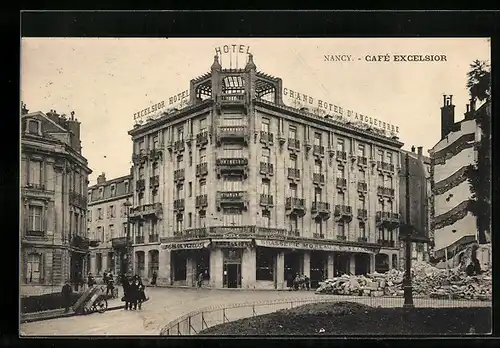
(232, 199)
(294, 174)
(179, 205)
(266, 169)
(202, 139)
(201, 201)
(362, 187)
(362, 214)
(232, 166)
(153, 238)
(386, 243)
(362, 240)
(296, 206)
(237, 134)
(293, 233)
(318, 179)
(293, 145)
(387, 219)
(321, 209)
(192, 233)
(139, 239)
(318, 236)
(266, 200)
(385, 167)
(179, 175)
(266, 138)
(233, 98)
(343, 212)
(37, 187)
(318, 150)
(140, 158)
(156, 154)
(119, 242)
(140, 185)
(341, 238)
(31, 233)
(385, 191)
(362, 161)
(179, 145)
(154, 181)
(342, 183)
(341, 156)
(202, 169)
(78, 200)
(270, 232)
(154, 210)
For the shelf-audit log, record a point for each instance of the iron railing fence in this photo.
(196, 321)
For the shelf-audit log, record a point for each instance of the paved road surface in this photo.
(166, 304)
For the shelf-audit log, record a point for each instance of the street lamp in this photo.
(128, 247)
(407, 232)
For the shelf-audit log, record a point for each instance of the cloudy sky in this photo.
(106, 80)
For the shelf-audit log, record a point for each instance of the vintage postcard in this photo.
(173, 186)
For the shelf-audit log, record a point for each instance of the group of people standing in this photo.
(133, 292)
(301, 281)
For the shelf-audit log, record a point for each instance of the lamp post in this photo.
(128, 247)
(408, 292)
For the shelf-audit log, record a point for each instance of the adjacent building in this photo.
(249, 191)
(453, 224)
(53, 231)
(107, 224)
(420, 195)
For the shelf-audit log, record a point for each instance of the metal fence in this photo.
(194, 322)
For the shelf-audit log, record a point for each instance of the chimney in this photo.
(74, 127)
(447, 115)
(413, 149)
(101, 179)
(24, 111)
(419, 149)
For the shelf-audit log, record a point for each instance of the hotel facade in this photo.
(248, 191)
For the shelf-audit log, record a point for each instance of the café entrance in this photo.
(318, 261)
(232, 268)
(293, 263)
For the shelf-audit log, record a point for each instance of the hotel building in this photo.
(249, 191)
(453, 224)
(54, 243)
(107, 224)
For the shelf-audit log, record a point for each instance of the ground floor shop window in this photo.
(318, 268)
(202, 260)
(153, 262)
(341, 264)
(381, 263)
(140, 263)
(292, 261)
(33, 268)
(265, 264)
(179, 260)
(362, 264)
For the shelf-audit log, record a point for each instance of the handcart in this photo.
(92, 300)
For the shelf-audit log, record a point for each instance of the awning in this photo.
(186, 245)
(311, 246)
(231, 243)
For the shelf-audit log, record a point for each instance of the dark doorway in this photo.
(318, 269)
(76, 268)
(362, 264)
(233, 271)
(381, 263)
(292, 266)
(341, 264)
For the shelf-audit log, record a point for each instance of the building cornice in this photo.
(110, 199)
(112, 181)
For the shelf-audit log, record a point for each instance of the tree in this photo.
(479, 174)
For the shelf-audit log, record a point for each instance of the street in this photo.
(167, 304)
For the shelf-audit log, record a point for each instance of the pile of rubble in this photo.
(427, 281)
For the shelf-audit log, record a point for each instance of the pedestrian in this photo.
(200, 279)
(110, 284)
(105, 278)
(289, 279)
(66, 294)
(127, 292)
(134, 292)
(141, 293)
(307, 281)
(153, 278)
(90, 280)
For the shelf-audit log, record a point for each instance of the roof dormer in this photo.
(33, 126)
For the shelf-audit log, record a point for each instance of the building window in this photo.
(381, 233)
(98, 263)
(35, 218)
(362, 231)
(340, 145)
(293, 190)
(99, 213)
(341, 198)
(361, 150)
(265, 186)
(203, 156)
(264, 264)
(203, 187)
(156, 169)
(381, 179)
(232, 217)
(141, 146)
(100, 233)
(265, 125)
(33, 268)
(266, 218)
(180, 133)
(319, 226)
(317, 194)
(266, 155)
(141, 173)
(381, 155)
(126, 187)
(35, 173)
(293, 161)
(391, 206)
(389, 182)
(112, 211)
(113, 190)
(292, 132)
(34, 127)
(155, 142)
(362, 202)
(180, 191)
(190, 220)
(190, 189)
(140, 198)
(101, 192)
(180, 159)
(124, 229)
(317, 167)
(389, 157)
(317, 139)
(203, 125)
(179, 222)
(140, 229)
(341, 172)
(89, 215)
(111, 233)
(341, 229)
(154, 196)
(154, 228)
(202, 216)
(361, 175)
(293, 221)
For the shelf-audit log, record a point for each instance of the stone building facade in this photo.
(248, 191)
(107, 224)
(53, 179)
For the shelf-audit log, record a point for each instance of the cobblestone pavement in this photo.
(167, 304)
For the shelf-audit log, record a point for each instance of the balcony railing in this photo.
(38, 187)
(202, 139)
(153, 238)
(343, 212)
(232, 98)
(293, 233)
(179, 204)
(321, 208)
(318, 150)
(139, 239)
(266, 168)
(31, 233)
(119, 242)
(232, 198)
(387, 219)
(179, 145)
(318, 236)
(386, 243)
(140, 158)
(144, 210)
(362, 161)
(156, 153)
(266, 137)
(77, 199)
(202, 169)
(318, 178)
(201, 201)
(232, 165)
(266, 200)
(154, 181)
(293, 173)
(362, 187)
(140, 185)
(341, 155)
(362, 239)
(293, 144)
(341, 183)
(296, 205)
(179, 174)
(342, 237)
(362, 214)
(388, 167)
(233, 133)
(385, 191)
(192, 233)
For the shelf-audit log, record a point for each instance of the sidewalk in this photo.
(60, 313)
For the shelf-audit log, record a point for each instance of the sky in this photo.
(106, 80)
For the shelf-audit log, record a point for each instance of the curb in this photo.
(63, 315)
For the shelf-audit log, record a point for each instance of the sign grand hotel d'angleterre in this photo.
(291, 97)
